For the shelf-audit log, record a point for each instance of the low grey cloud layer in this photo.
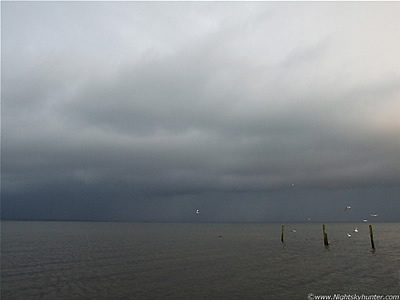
(147, 110)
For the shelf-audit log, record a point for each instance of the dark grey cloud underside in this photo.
(225, 108)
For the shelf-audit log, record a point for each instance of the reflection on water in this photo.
(67, 260)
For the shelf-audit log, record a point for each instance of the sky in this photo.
(247, 111)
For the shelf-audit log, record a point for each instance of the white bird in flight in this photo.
(374, 215)
(347, 207)
(348, 235)
(197, 211)
(356, 229)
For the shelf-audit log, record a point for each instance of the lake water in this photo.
(95, 260)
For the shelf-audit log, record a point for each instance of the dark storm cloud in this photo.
(135, 102)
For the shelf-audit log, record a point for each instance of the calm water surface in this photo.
(94, 260)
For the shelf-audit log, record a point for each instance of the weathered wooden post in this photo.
(326, 243)
(283, 230)
(371, 235)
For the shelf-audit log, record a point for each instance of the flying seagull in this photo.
(356, 229)
(197, 211)
(374, 215)
(347, 207)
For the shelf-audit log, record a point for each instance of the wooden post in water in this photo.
(283, 230)
(371, 235)
(326, 243)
